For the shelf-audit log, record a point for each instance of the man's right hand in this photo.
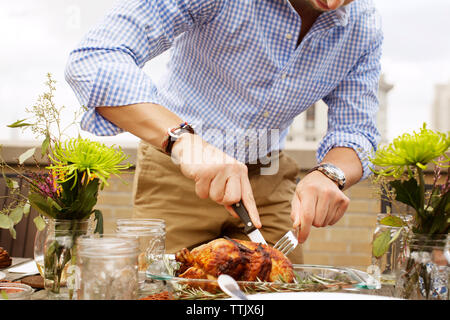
(216, 175)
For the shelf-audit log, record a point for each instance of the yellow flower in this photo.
(87, 158)
(412, 150)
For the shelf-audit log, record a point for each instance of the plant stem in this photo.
(421, 208)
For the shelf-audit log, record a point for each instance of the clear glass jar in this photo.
(107, 268)
(55, 254)
(386, 264)
(151, 235)
(423, 270)
(41, 237)
(15, 291)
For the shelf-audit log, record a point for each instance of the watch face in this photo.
(334, 173)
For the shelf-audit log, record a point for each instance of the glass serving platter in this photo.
(308, 278)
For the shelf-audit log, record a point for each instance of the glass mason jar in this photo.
(55, 255)
(423, 270)
(107, 268)
(386, 264)
(151, 235)
(15, 291)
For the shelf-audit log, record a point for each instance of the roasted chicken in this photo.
(242, 260)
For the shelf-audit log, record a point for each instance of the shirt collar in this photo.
(341, 15)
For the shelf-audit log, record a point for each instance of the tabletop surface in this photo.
(12, 276)
(39, 294)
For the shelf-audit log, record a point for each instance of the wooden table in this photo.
(38, 294)
(11, 276)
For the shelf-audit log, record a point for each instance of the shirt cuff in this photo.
(363, 146)
(116, 85)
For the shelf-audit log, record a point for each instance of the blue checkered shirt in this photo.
(235, 70)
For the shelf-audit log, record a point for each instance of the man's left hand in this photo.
(317, 202)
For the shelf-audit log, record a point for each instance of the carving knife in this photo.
(252, 232)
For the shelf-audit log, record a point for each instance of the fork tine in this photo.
(287, 243)
(286, 247)
(281, 242)
(289, 251)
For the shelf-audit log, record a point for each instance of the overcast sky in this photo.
(37, 37)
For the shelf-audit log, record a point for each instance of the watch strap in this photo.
(173, 134)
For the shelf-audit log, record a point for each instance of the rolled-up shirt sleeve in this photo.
(105, 69)
(352, 109)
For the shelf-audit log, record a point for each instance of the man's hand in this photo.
(216, 175)
(317, 202)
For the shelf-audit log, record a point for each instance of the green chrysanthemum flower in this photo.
(90, 159)
(407, 150)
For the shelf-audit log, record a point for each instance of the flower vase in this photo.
(59, 256)
(386, 264)
(423, 271)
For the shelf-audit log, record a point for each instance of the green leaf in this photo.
(12, 231)
(393, 221)
(381, 243)
(49, 258)
(407, 192)
(27, 154)
(396, 235)
(4, 294)
(19, 123)
(26, 208)
(41, 205)
(13, 184)
(441, 214)
(16, 214)
(435, 197)
(5, 221)
(39, 222)
(83, 201)
(53, 203)
(10, 183)
(45, 145)
(99, 218)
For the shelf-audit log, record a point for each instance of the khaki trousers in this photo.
(161, 191)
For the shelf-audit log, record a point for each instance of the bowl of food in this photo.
(257, 268)
(15, 291)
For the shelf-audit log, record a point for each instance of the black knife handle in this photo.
(245, 217)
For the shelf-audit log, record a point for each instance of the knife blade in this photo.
(249, 229)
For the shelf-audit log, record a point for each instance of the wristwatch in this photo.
(173, 134)
(332, 172)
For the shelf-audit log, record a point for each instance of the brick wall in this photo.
(115, 201)
(348, 242)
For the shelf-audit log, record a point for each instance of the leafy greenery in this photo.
(68, 186)
(67, 190)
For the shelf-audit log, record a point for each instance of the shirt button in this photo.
(266, 114)
(284, 76)
(289, 36)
